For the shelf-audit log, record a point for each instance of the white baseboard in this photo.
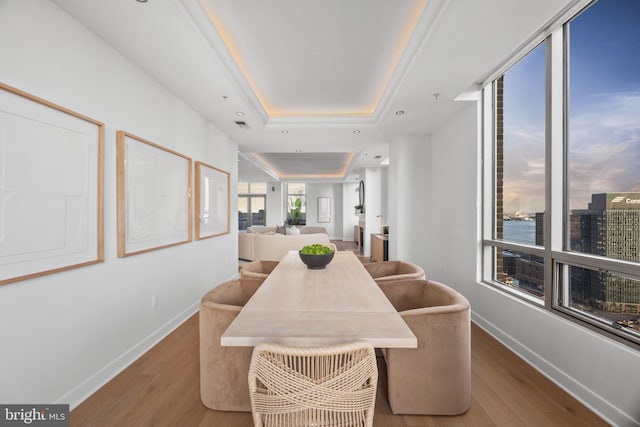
(92, 384)
(584, 395)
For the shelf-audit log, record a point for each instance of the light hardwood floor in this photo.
(162, 389)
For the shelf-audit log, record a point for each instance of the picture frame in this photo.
(154, 196)
(213, 215)
(51, 187)
(324, 209)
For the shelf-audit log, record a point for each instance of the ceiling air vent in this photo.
(242, 124)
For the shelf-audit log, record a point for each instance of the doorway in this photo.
(251, 211)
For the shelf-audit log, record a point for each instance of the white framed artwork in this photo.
(212, 201)
(51, 187)
(324, 209)
(154, 196)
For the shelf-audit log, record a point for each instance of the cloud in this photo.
(535, 167)
(604, 147)
(603, 155)
(524, 167)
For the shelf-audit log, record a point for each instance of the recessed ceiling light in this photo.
(298, 151)
(399, 112)
(356, 131)
(239, 113)
(285, 132)
(141, 1)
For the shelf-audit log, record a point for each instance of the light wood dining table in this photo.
(303, 307)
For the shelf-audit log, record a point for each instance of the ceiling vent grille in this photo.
(242, 124)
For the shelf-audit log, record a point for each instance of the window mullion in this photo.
(554, 155)
(518, 247)
(594, 262)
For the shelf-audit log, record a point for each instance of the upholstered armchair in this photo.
(223, 370)
(435, 378)
(258, 269)
(386, 271)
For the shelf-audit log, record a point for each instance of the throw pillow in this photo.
(281, 229)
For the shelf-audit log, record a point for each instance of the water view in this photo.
(518, 231)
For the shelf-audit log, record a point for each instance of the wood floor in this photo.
(162, 389)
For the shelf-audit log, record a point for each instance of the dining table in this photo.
(299, 306)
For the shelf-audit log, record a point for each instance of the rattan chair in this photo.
(313, 386)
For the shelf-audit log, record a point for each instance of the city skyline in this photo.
(604, 130)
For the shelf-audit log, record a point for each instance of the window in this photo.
(518, 189)
(296, 203)
(572, 180)
(252, 204)
(603, 155)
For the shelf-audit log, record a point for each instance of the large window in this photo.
(519, 180)
(561, 223)
(252, 204)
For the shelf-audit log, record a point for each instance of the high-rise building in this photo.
(529, 269)
(539, 228)
(610, 227)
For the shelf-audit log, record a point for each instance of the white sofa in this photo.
(303, 229)
(272, 246)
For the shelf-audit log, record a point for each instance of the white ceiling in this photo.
(308, 76)
(314, 59)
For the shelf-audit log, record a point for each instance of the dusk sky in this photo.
(604, 111)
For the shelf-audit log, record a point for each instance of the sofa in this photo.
(303, 229)
(264, 243)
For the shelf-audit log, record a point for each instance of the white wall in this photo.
(408, 181)
(600, 372)
(349, 217)
(334, 192)
(375, 186)
(275, 204)
(63, 335)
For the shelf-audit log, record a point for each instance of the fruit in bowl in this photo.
(316, 256)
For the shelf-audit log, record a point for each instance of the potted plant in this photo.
(294, 216)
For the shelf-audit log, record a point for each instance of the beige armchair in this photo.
(223, 370)
(258, 269)
(387, 271)
(435, 378)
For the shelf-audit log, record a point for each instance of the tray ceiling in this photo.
(329, 58)
(318, 77)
